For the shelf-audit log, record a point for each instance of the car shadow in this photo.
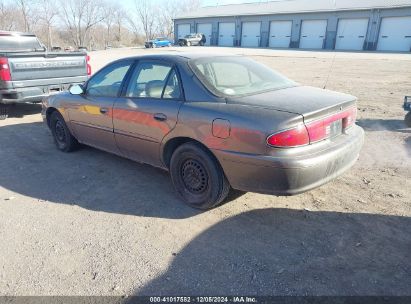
(408, 145)
(383, 125)
(293, 252)
(21, 110)
(32, 166)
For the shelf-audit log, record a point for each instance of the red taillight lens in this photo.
(314, 131)
(320, 129)
(317, 130)
(88, 65)
(290, 138)
(349, 120)
(4, 69)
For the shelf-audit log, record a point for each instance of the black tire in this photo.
(198, 177)
(4, 111)
(407, 119)
(62, 137)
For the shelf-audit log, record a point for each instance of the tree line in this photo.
(95, 24)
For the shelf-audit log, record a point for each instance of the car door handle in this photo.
(160, 116)
(103, 110)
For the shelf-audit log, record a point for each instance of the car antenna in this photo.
(329, 71)
(332, 62)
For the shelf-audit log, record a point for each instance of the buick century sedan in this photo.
(214, 122)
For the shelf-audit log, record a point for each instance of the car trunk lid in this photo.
(326, 114)
(312, 103)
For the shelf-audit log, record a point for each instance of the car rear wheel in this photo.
(62, 137)
(198, 177)
(408, 119)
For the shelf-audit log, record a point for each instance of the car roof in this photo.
(180, 56)
(12, 33)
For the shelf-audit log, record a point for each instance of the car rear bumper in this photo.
(36, 91)
(292, 174)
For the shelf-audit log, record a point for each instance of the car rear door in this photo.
(148, 110)
(91, 115)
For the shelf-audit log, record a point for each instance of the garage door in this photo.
(206, 29)
(351, 34)
(226, 33)
(250, 34)
(183, 30)
(313, 34)
(395, 34)
(280, 34)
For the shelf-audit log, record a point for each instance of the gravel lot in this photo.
(90, 223)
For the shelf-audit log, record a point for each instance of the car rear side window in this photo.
(107, 82)
(237, 76)
(19, 43)
(154, 80)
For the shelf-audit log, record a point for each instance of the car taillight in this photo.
(314, 131)
(4, 69)
(349, 120)
(320, 129)
(88, 65)
(290, 138)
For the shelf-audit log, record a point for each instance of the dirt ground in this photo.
(90, 223)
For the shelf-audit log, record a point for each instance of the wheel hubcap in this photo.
(60, 133)
(194, 176)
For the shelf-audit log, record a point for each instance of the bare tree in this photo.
(112, 14)
(146, 13)
(27, 12)
(170, 9)
(47, 15)
(119, 18)
(9, 17)
(75, 22)
(80, 16)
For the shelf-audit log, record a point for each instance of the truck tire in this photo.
(198, 177)
(63, 139)
(407, 119)
(4, 111)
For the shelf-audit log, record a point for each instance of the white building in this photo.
(383, 25)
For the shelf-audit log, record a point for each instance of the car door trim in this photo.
(89, 125)
(135, 135)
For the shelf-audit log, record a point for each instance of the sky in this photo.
(130, 3)
(222, 2)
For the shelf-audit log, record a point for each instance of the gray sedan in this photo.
(214, 122)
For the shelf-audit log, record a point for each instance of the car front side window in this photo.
(107, 82)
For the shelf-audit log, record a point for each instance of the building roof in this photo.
(292, 7)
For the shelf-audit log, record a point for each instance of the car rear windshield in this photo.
(237, 76)
(19, 43)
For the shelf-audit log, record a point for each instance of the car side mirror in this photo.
(76, 89)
